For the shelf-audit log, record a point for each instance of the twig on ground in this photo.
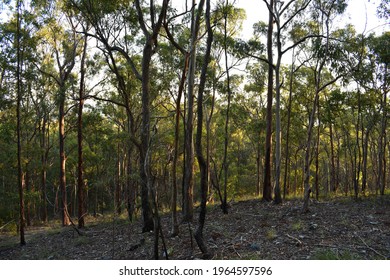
(238, 254)
(299, 242)
(372, 249)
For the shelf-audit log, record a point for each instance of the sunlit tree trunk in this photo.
(80, 180)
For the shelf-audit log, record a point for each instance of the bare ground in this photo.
(336, 229)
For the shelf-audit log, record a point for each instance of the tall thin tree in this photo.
(18, 123)
(199, 131)
(267, 188)
(189, 142)
(80, 168)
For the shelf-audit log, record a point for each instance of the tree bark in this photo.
(189, 141)
(287, 149)
(225, 164)
(317, 186)
(267, 188)
(199, 153)
(278, 129)
(80, 179)
(307, 187)
(44, 217)
(145, 174)
(382, 138)
(145, 157)
(333, 186)
(175, 225)
(61, 136)
(18, 128)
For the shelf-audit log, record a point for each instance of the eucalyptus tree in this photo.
(267, 188)
(150, 45)
(60, 37)
(168, 25)
(18, 128)
(115, 29)
(199, 131)
(322, 53)
(80, 168)
(228, 23)
(112, 23)
(188, 182)
(15, 85)
(284, 21)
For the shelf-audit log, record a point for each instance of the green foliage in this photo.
(383, 9)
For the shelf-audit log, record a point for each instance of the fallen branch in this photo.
(372, 249)
(299, 242)
(6, 224)
(235, 251)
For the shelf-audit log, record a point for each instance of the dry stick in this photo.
(238, 254)
(372, 249)
(6, 224)
(296, 239)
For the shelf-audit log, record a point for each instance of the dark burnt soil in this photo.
(336, 229)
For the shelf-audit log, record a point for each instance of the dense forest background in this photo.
(147, 107)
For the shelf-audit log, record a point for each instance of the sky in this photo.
(357, 13)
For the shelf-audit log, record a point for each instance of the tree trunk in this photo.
(145, 138)
(199, 153)
(333, 186)
(307, 187)
(382, 139)
(80, 180)
(267, 188)
(175, 225)
(317, 186)
(278, 129)
(225, 164)
(61, 135)
(44, 150)
(189, 153)
(131, 187)
(18, 130)
(287, 149)
(258, 170)
(189, 142)
(357, 151)
(118, 183)
(365, 160)
(145, 157)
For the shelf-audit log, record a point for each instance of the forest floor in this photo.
(342, 228)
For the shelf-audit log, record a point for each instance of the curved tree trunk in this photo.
(199, 153)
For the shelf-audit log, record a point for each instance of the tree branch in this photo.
(129, 61)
